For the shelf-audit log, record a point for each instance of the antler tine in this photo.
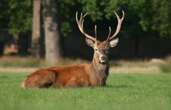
(80, 23)
(110, 30)
(123, 15)
(85, 15)
(119, 24)
(95, 30)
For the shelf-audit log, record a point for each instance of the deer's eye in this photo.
(106, 52)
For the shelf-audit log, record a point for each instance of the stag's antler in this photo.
(118, 26)
(80, 23)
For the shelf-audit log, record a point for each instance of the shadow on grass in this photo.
(118, 86)
(92, 87)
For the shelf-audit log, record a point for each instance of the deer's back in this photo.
(74, 75)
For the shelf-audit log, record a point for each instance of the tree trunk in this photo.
(36, 28)
(52, 46)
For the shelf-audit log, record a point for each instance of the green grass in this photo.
(166, 67)
(123, 92)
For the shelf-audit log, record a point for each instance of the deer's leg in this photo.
(41, 79)
(77, 82)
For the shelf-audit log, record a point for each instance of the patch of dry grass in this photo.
(30, 64)
(34, 62)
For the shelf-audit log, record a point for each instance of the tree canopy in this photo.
(16, 16)
(149, 16)
(142, 16)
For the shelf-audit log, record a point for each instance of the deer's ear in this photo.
(90, 42)
(113, 43)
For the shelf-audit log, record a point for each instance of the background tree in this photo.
(4, 20)
(52, 46)
(15, 19)
(36, 28)
(144, 18)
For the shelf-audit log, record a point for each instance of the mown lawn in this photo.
(123, 92)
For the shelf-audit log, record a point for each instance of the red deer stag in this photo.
(93, 74)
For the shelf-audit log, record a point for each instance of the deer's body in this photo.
(67, 76)
(93, 74)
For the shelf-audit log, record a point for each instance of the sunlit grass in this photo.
(123, 92)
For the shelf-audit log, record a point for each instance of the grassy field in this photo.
(123, 92)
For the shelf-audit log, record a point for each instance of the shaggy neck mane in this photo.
(99, 67)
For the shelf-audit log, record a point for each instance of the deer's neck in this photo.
(99, 68)
(101, 72)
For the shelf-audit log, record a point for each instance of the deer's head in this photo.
(101, 48)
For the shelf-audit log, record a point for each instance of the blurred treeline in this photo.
(146, 30)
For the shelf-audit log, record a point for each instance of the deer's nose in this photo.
(103, 58)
